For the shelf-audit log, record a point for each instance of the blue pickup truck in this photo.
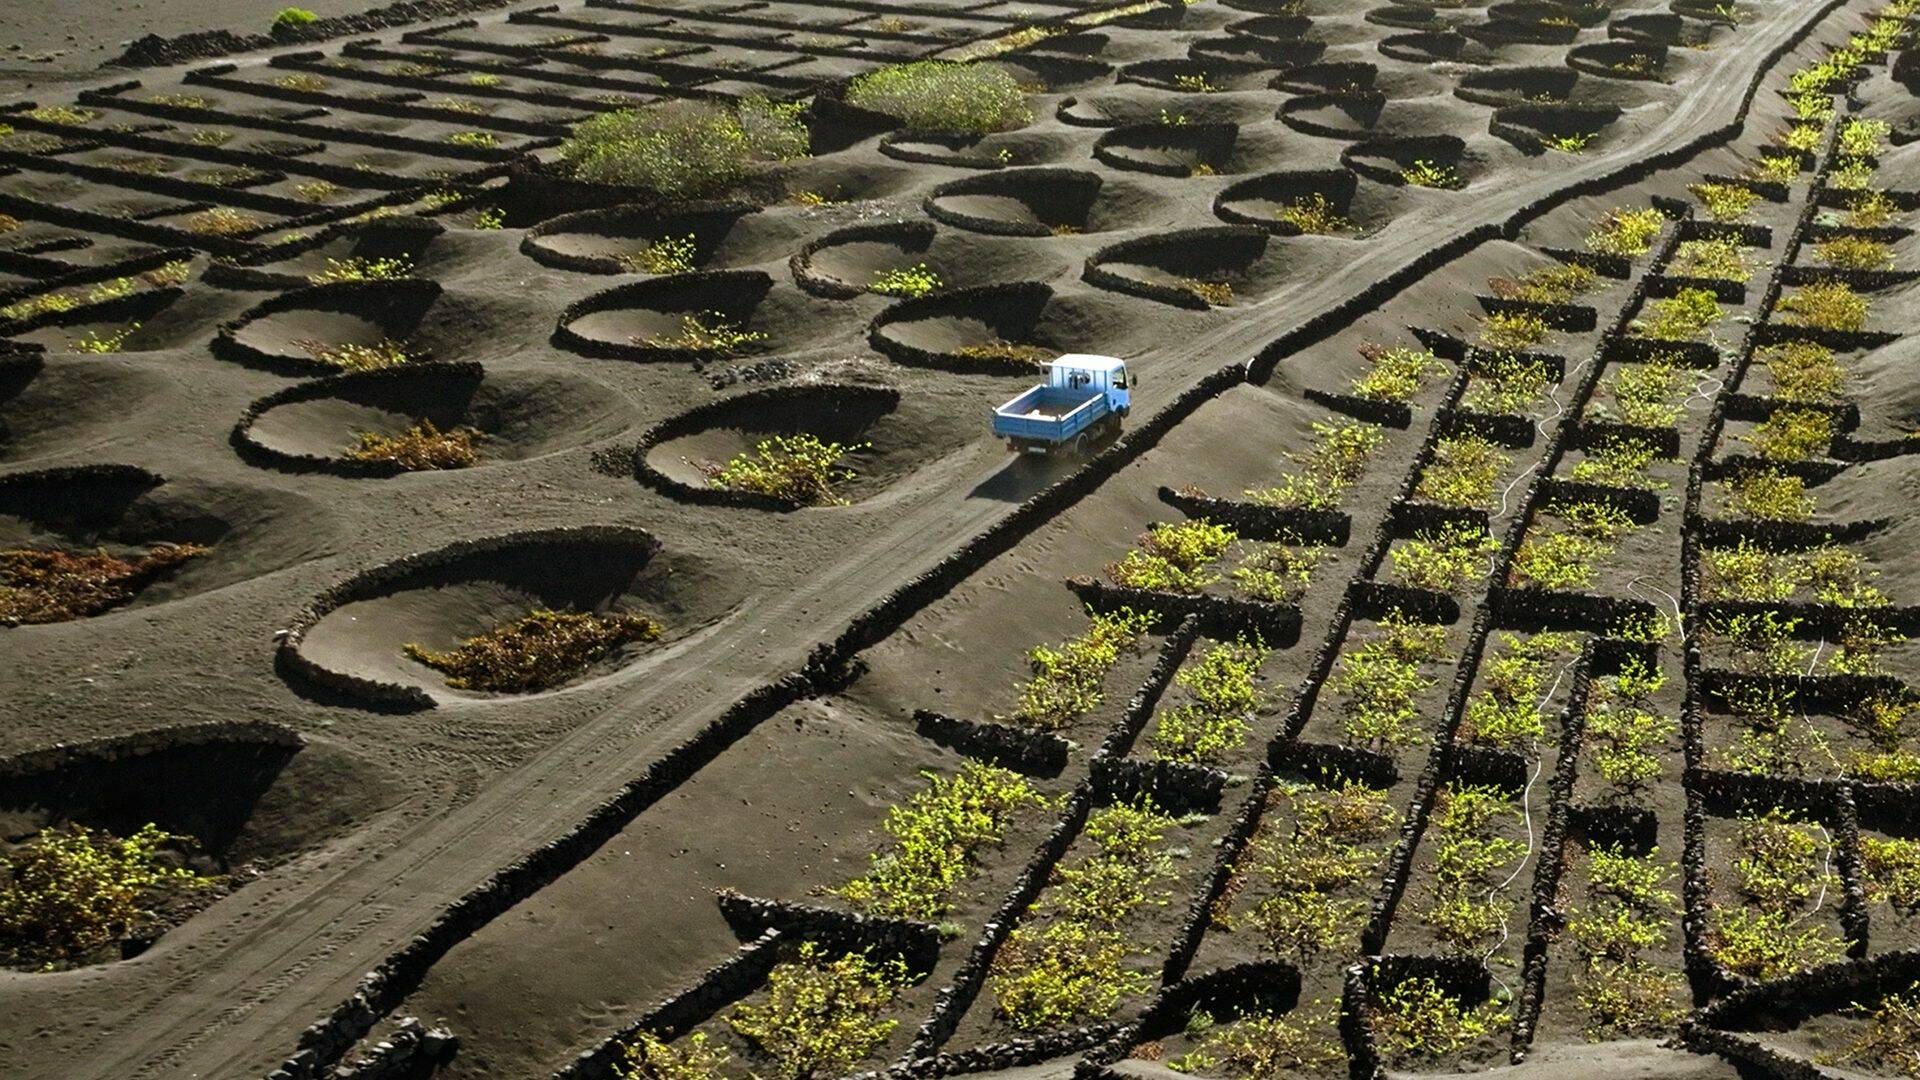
(1082, 402)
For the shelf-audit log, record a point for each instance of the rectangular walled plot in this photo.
(1466, 894)
(1378, 702)
(1225, 706)
(1776, 895)
(794, 806)
(1616, 971)
(1110, 911)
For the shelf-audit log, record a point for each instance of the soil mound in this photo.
(126, 510)
(519, 415)
(47, 406)
(849, 262)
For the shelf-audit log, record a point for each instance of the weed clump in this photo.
(800, 469)
(293, 17)
(1264, 1046)
(684, 149)
(997, 349)
(1463, 906)
(1334, 845)
(1855, 253)
(1507, 712)
(538, 650)
(56, 586)
(420, 448)
(1885, 1044)
(1513, 330)
(1625, 736)
(648, 1057)
(1507, 382)
(938, 835)
(1792, 435)
(940, 95)
(1768, 495)
(1804, 372)
(67, 892)
(1647, 394)
(1549, 285)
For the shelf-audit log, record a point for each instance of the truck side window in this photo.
(1120, 380)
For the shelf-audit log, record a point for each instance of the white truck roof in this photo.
(1089, 362)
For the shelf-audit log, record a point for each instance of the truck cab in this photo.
(1082, 401)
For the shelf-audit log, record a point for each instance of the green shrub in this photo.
(1442, 559)
(1066, 682)
(363, 269)
(1463, 471)
(94, 343)
(908, 281)
(1222, 699)
(1465, 906)
(1625, 232)
(1067, 973)
(1792, 435)
(647, 1057)
(800, 469)
(1825, 305)
(1870, 210)
(1379, 680)
(1713, 258)
(1863, 137)
(1768, 495)
(1313, 215)
(1513, 330)
(1769, 944)
(1804, 372)
(1336, 462)
(69, 891)
(1776, 168)
(1885, 1042)
(684, 149)
(1561, 284)
(1891, 869)
(1277, 573)
(1618, 461)
(1725, 202)
(1855, 253)
(294, 17)
(1507, 711)
(1174, 557)
(1417, 1020)
(1268, 1046)
(537, 650)
(940, 95)
(350, 356)
(821, 1017)
(1431, 174)
(938, 834)
(1687, 315)
(1507, 382)
(1648, 394)
(705, 332)
(666, 255)
(1397, 373)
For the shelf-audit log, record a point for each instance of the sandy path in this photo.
(236, 1013)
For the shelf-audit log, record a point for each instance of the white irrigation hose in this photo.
(1526, 815)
